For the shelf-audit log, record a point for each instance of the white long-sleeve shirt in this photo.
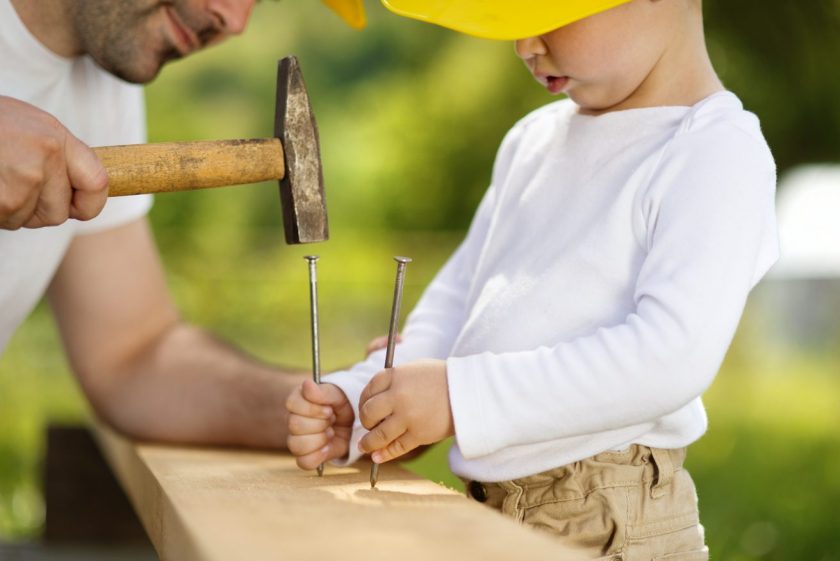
(599, 286)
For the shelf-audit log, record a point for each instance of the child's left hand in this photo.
(405, 407)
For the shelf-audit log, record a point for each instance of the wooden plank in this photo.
(200, 504)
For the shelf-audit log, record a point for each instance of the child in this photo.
(568, 340)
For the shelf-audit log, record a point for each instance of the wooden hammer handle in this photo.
(183, 166)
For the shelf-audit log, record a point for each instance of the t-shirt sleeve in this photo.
(126, 126)
(117, 212)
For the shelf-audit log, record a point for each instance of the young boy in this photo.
(568, 340)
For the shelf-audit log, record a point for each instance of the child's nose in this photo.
(530, 47)
(233, 14)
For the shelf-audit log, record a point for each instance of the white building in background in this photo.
(808, 208)
(799, 301)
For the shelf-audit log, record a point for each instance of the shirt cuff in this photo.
(466, 400)
(349, 383)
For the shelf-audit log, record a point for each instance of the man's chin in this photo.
(137, 72)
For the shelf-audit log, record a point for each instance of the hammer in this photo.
(293, 157)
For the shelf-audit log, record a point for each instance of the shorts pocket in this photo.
(593, 525)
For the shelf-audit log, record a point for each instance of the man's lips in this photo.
(184, 39)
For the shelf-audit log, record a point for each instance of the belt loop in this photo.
(664, 471)
(512, 503)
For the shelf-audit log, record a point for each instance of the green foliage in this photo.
(780, 57)
(410, 119)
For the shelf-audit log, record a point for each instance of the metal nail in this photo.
(392, 335)
(313, 307)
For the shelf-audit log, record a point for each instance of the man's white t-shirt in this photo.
(599, 286)
(96, 107)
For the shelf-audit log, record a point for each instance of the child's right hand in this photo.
(320, 423)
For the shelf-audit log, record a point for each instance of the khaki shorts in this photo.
(635, 505)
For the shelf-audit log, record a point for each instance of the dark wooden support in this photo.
(84, 501)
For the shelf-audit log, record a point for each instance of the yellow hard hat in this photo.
(351, 11)
(500, 19)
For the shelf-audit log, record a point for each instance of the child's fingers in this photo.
(323, 394)
(344, 415)
(375, 409)
(301, 425)
(303, 444)
(337, 447)
(313, 460)
(334, 397)
(402, 445)
(380, 382)
(382, 434)
(298, 404)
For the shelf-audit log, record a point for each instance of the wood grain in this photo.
(184, 166)
(221, 504)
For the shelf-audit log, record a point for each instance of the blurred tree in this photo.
(782, 59)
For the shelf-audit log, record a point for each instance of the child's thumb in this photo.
(323, 394)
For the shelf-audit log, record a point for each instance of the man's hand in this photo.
(47, 175)
(405, 407)
(320, 423)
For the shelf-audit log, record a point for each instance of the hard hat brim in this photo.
(496, 19)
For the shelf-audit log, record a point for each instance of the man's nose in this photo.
(530, 47)
(233, 14)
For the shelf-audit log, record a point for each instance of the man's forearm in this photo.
(188, 386)
(145, 371)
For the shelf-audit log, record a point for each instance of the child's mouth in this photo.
(556, 84)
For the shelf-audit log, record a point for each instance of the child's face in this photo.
(603, 61)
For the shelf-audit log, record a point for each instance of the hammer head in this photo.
(302, 186)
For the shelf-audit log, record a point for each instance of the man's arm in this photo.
(145, 371)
